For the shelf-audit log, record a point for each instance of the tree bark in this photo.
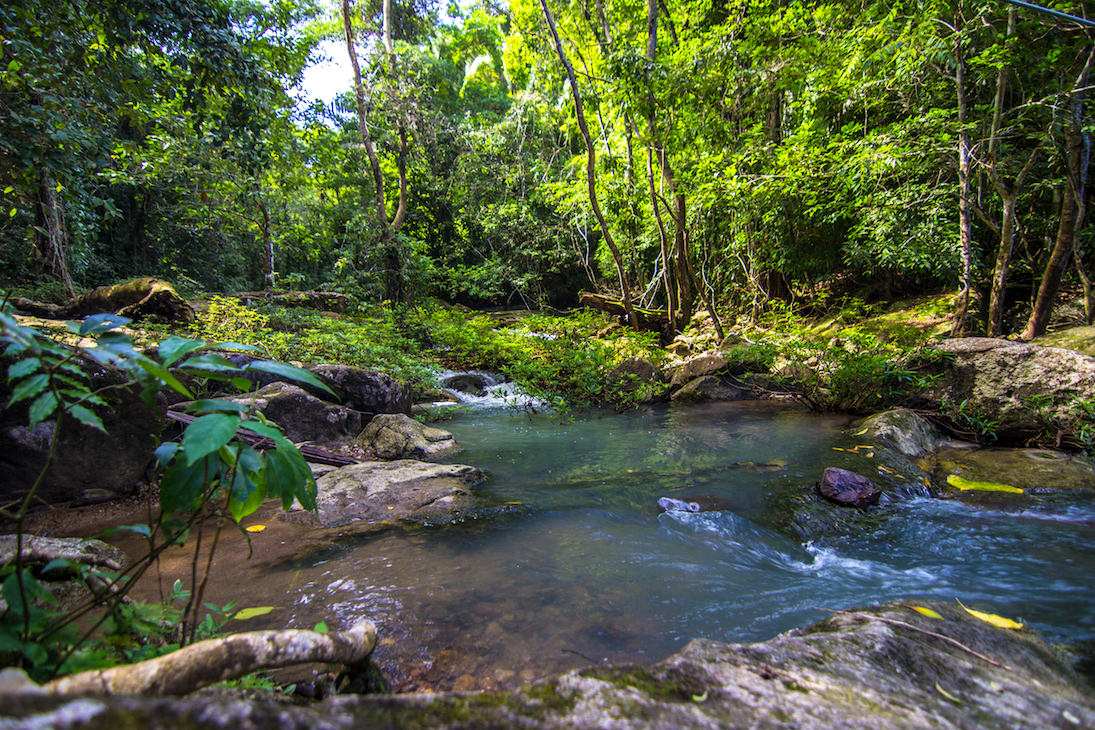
(56, 244)
(1073, 208)
(965, 238)
(217, 660)
(1010, 197)
(591, 167)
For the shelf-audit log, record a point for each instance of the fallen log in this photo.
(313, 454)
(651, 320)
(329, 301)
(135, 299)
(217, 660)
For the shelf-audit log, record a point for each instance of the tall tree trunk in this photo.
(678, 261)
(268, 270)
(591, 168)
(390, 250)
(1010, 197)
(1073, 208)
(965, 239)
(56, 245)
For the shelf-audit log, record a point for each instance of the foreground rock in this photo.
(1029, 391)
(850, 671)
(396, 436)
(88, 465)
(377, 493)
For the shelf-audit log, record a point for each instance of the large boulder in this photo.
(706, 363)
(88, 465)
(707, 387)
(365, 390)
(301, 415)
(881, 667)
(1029, 391)
(376, 493)
(396, 436)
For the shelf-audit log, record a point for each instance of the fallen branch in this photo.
(896, 622)
(217, 660)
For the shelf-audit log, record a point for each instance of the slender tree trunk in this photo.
(1073, 208)
(965, 239)
(591, 168)
(362, 118)
(56, 244)
(1010, 197)
(267, 246)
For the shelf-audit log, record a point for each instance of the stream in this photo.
(578, 566)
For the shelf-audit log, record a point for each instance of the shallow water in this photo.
(584, 569)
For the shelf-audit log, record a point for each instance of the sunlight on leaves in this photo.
(999, 622)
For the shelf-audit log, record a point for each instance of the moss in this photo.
(672, 686)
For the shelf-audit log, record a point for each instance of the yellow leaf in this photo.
(253, 612)
(861, 432)
(886, 470)
(965, 484)
(700, 698)
(255, 528)
(991, 618)
(926, 611)
(947, 694)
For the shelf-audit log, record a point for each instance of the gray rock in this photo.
(1028, 390)
(901, 430)
(706, 363)
(65, 583)
(381, 492)
(470, 383)
(707, 387)
(88, 464)
(850, 671)
(396, 436)
(301, 415)
(364, 390)
(637, 373)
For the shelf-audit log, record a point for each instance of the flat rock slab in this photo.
(376, 493)
(850, 671)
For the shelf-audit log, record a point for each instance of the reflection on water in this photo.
(592, 572)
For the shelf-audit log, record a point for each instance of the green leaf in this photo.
(162, 374)
(138, 528)
(285, 370)
(28, 388)
(229, 345)
(174, 347)
(60, 563)
(208, 434)
(288, 477)
(183, 484)
(215, 405)
(98, 323)
(165, 452)
(321, 628)
(209, 363)
(42, 407)
(247, 495)
(255, 611)
(23, 367)
(86, 417)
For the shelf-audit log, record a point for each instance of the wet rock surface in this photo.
(707, 387)
(847, 488)
(878, 667)
(377, 493)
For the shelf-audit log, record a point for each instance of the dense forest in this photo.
(716, 153)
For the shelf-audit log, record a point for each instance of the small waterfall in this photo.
(482, 390)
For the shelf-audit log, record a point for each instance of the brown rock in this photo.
(847, 488)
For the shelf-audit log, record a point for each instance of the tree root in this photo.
(217, 660)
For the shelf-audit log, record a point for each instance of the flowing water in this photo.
(578, 565)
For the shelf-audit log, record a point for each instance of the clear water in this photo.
(585, 569)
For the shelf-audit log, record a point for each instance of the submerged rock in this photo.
(375, 493)
(901, 430)
(879, 667)
(848, 488)
(396, 436)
